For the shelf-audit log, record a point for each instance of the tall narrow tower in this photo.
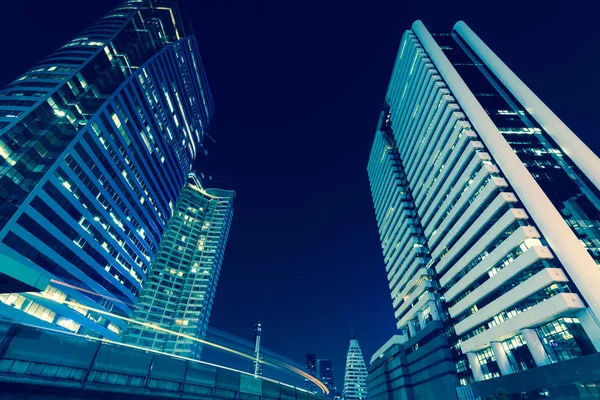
(488, 209)
(310, 367)
(257, 355)
(325, 375)
(182, 282)
(355, 377)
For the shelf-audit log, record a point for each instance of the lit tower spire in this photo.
(257, 355)
(355, 377)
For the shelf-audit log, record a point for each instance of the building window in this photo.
(518, 353)
(489, 366)
(564, 339)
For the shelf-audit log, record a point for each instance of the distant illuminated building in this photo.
(322, 369)
(96, 142)
(325, 375)
(310, 367)
(355, 376)
(182, 282)
(258, 368)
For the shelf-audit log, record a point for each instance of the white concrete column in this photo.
(422, 322)
(538, 352)
(572, 145)
(403, 333)
(580, 266)
(411, 328)
(434, 311)
(591, 328)
(501, 358)
(475, 367)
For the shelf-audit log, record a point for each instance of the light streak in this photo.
(152, 326)
(159, 352)
(280, 365)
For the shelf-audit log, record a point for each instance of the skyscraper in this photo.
(257, 364)
(96, 142)
(310, 367)
(489, 213)
(179, 292)
(325, 375)
(355, 375)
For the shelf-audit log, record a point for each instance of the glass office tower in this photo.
(179, 292)
(96, 142)
(488, 211)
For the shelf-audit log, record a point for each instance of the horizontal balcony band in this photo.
(557, 306)
(539, 281)
(529, 257)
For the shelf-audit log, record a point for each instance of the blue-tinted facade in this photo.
(310, 367)
(325, 375)
(182, 282)
(96, 143)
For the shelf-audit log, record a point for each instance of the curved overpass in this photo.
(42, 364)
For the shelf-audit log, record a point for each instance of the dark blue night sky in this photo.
(298, 87)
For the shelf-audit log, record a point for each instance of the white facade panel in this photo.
(561, 304)
(530, 256)
(542, 279)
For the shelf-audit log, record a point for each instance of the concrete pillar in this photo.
(411, 328)
(434, 311)
(404, 334)
(501, 358)
(590, 326)
(475, 367)
(422, 321)
(538, 352)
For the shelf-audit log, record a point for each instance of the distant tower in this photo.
(257, 356)
(182, 281)
(325, 375)
(310, 367)
(355, 377)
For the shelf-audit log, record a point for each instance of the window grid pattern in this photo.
(181, 286)
(355, 375)
(469, 226)
(89, 174)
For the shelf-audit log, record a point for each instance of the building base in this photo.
(419, 369)
(578, 378)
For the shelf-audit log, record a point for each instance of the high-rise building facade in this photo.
(96, 142)
(355, 375)
(179, 292)
(257, 365)
(310, 367)
(489, 213)
(325, 375)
